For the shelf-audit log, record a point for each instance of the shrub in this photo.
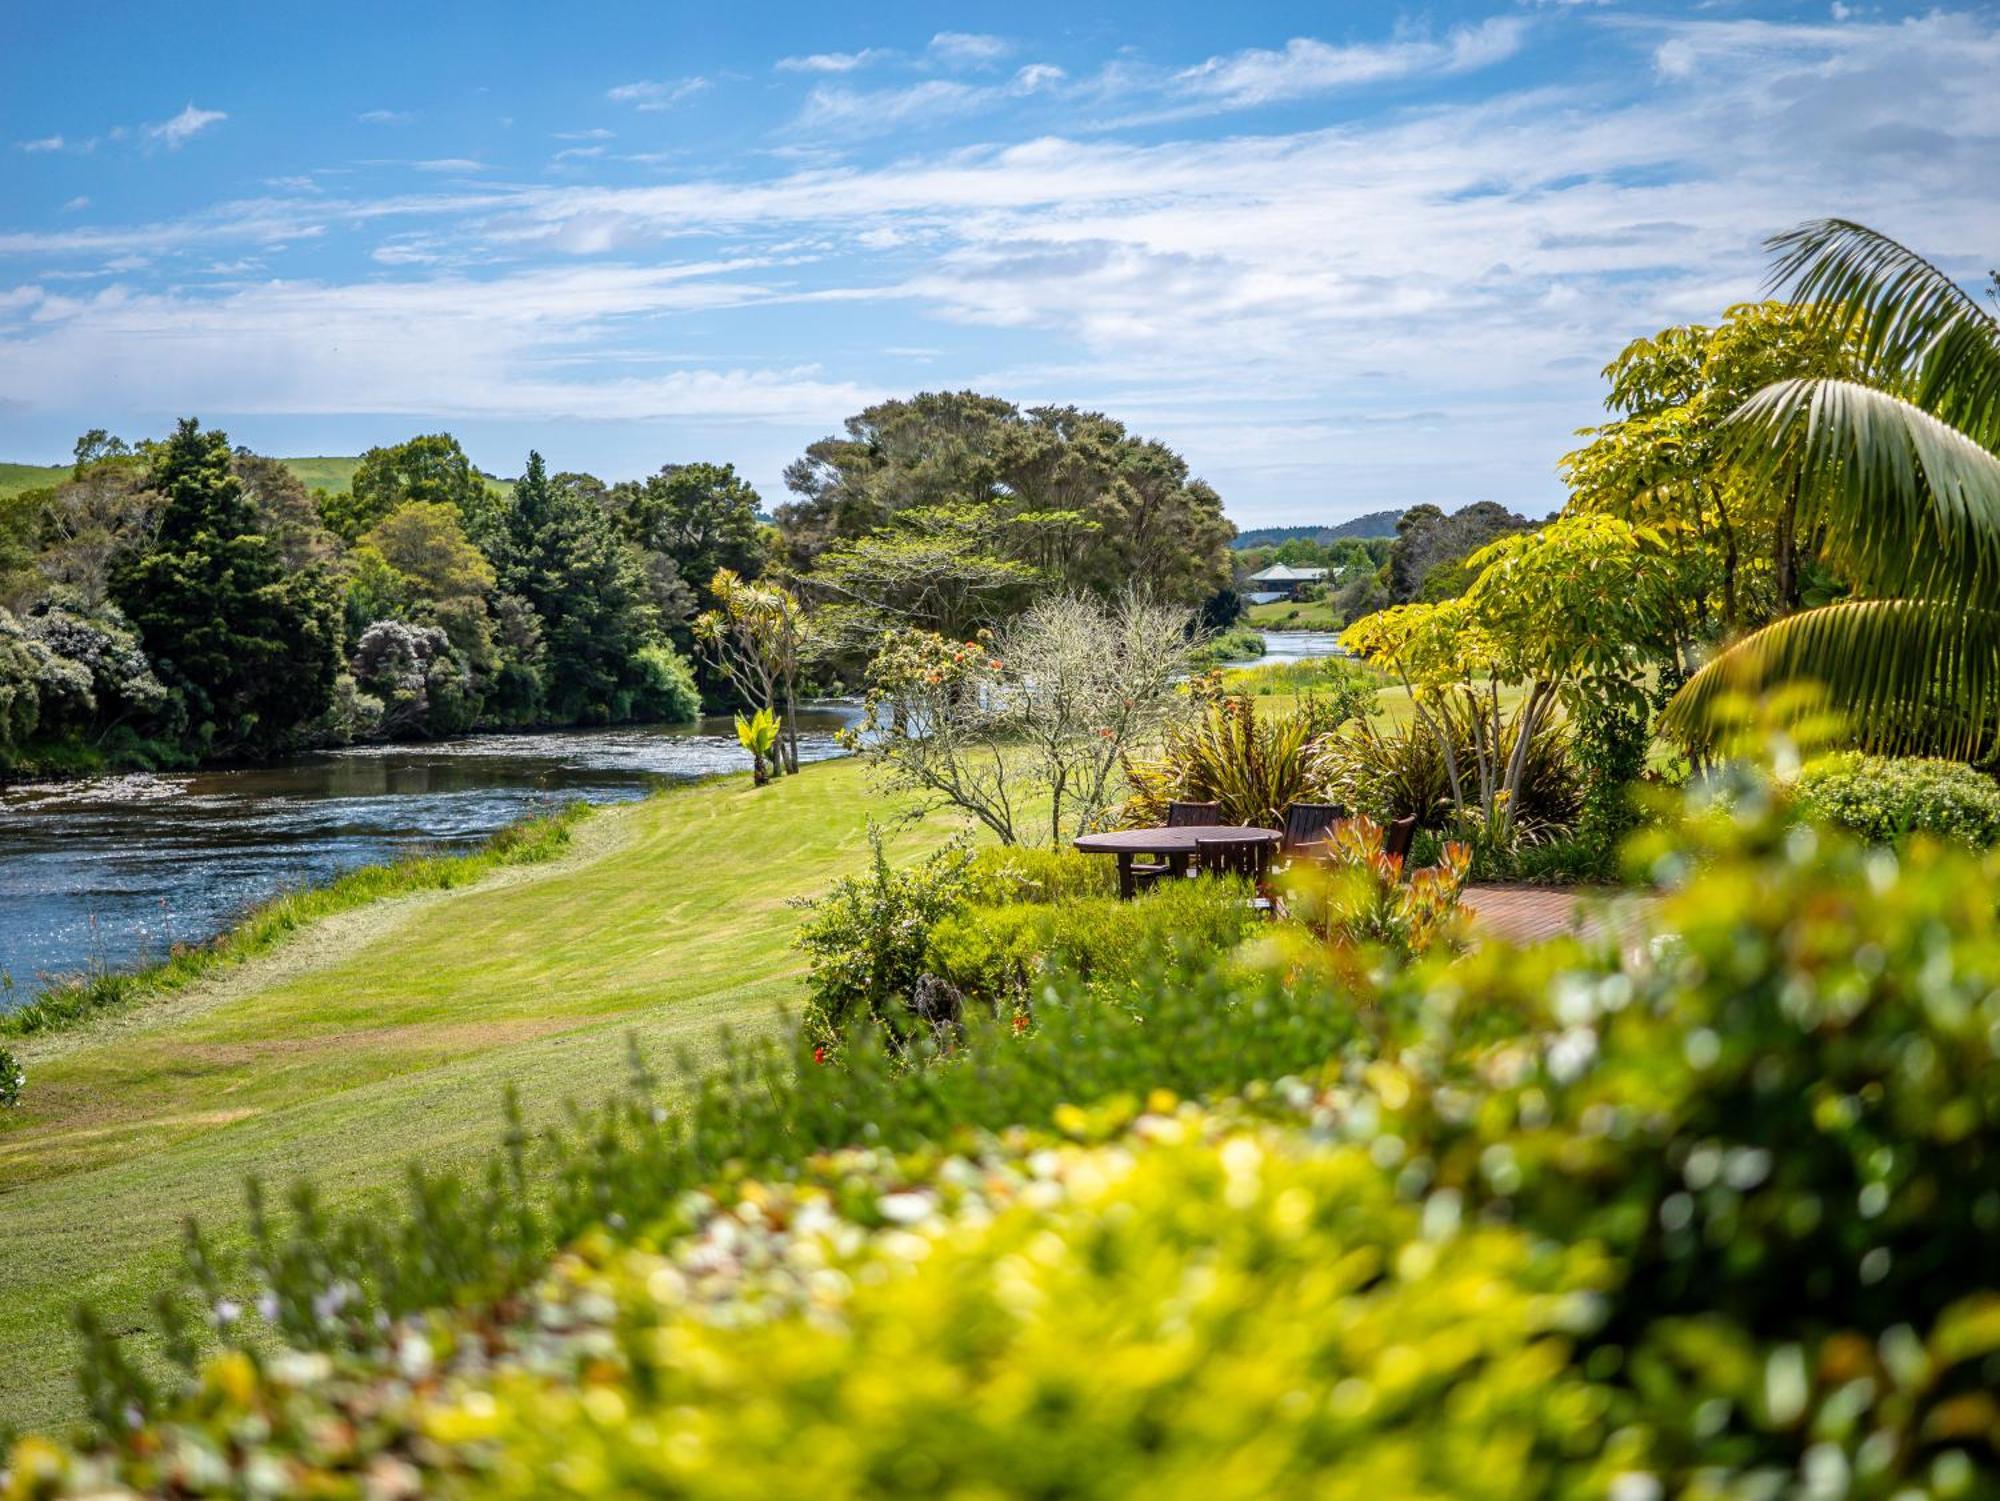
(1254, 765)
(998, 955)
(13, 1080)
(865, 939)
(1885, 798)
(1237, 644)
(1391, 771)
(1356, 896)
(1025, 873)
(664, 687)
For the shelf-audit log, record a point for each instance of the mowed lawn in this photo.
(388, 1034)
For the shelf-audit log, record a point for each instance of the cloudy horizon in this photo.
(1341, 266)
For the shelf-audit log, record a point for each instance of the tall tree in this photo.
(431, 468)
(563, 557)
(252, 646)
(702, 516)
(1900, 475)
(1069, 493)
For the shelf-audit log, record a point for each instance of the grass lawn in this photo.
(389, 1033)
(1281, 615)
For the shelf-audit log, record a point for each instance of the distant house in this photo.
(1280, 581)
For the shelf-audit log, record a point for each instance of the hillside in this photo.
(1374, 524)
(322, 472)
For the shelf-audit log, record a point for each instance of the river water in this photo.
(110, 871)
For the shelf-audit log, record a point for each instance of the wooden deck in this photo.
(1529, 914)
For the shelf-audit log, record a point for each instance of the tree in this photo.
(431, 468)
(1068, 493)
(252, 646)
(1038, 716)
(286, 511)
(1899, 474)
(756, 637)
(1428, 543)
(586, 586)
(1569, 614)
(701, 516)
(1661, 463)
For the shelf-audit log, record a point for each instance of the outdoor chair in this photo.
(1397, 842)
(1239, 858)
(1179, 816)
(1307, 824)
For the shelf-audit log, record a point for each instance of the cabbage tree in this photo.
(1901, 477)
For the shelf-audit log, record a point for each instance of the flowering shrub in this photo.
(1885, 798)
(1354, 894)
(13, 1080)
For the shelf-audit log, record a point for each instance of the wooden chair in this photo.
(1143, 873)
(1240, 858)
(1306, 824)
(1397, 841)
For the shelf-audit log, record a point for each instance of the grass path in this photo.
(389, 1033)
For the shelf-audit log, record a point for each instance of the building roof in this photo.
(1280, 573)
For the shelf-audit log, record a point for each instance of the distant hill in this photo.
(325, 472)
(1374, 524)
(14, 478)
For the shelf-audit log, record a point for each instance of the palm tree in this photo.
(1901, 476)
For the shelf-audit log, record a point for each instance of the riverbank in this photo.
(391, 1031)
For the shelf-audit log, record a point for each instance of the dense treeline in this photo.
(180, 600)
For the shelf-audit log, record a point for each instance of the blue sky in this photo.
(1342, 257)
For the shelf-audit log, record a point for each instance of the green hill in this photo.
(324, 472)
(14, 478)
(1374, 524)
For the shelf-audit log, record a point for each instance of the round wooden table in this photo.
(1175, 845)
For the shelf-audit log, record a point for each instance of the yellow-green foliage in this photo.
(1195, 1306)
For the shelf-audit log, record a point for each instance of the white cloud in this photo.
(1417, 302)
(579, 153)
(43, 143)
(184, 127)
(875, 111)
(451, 346)
(76, 205)
(1037, 76)
(831, 62)
(385, 117)
(657, 94)
(1307, 66)
(450, 164)
(595, 133)
(968, 48)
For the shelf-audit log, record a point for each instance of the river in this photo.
(111, 871)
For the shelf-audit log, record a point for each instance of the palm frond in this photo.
(1913, 324)
(1910, 676)
(1911, 505)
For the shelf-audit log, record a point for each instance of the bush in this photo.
(865, 939)
(1355, 896)
(1025, 873)
(1390, 771)
(13, 1080)
(1885, 798)
(998, 955)
(1255, 766)
(1709, 1215)
(665, 687)
(1237, 644)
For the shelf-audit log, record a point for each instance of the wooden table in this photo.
(1175, 845)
